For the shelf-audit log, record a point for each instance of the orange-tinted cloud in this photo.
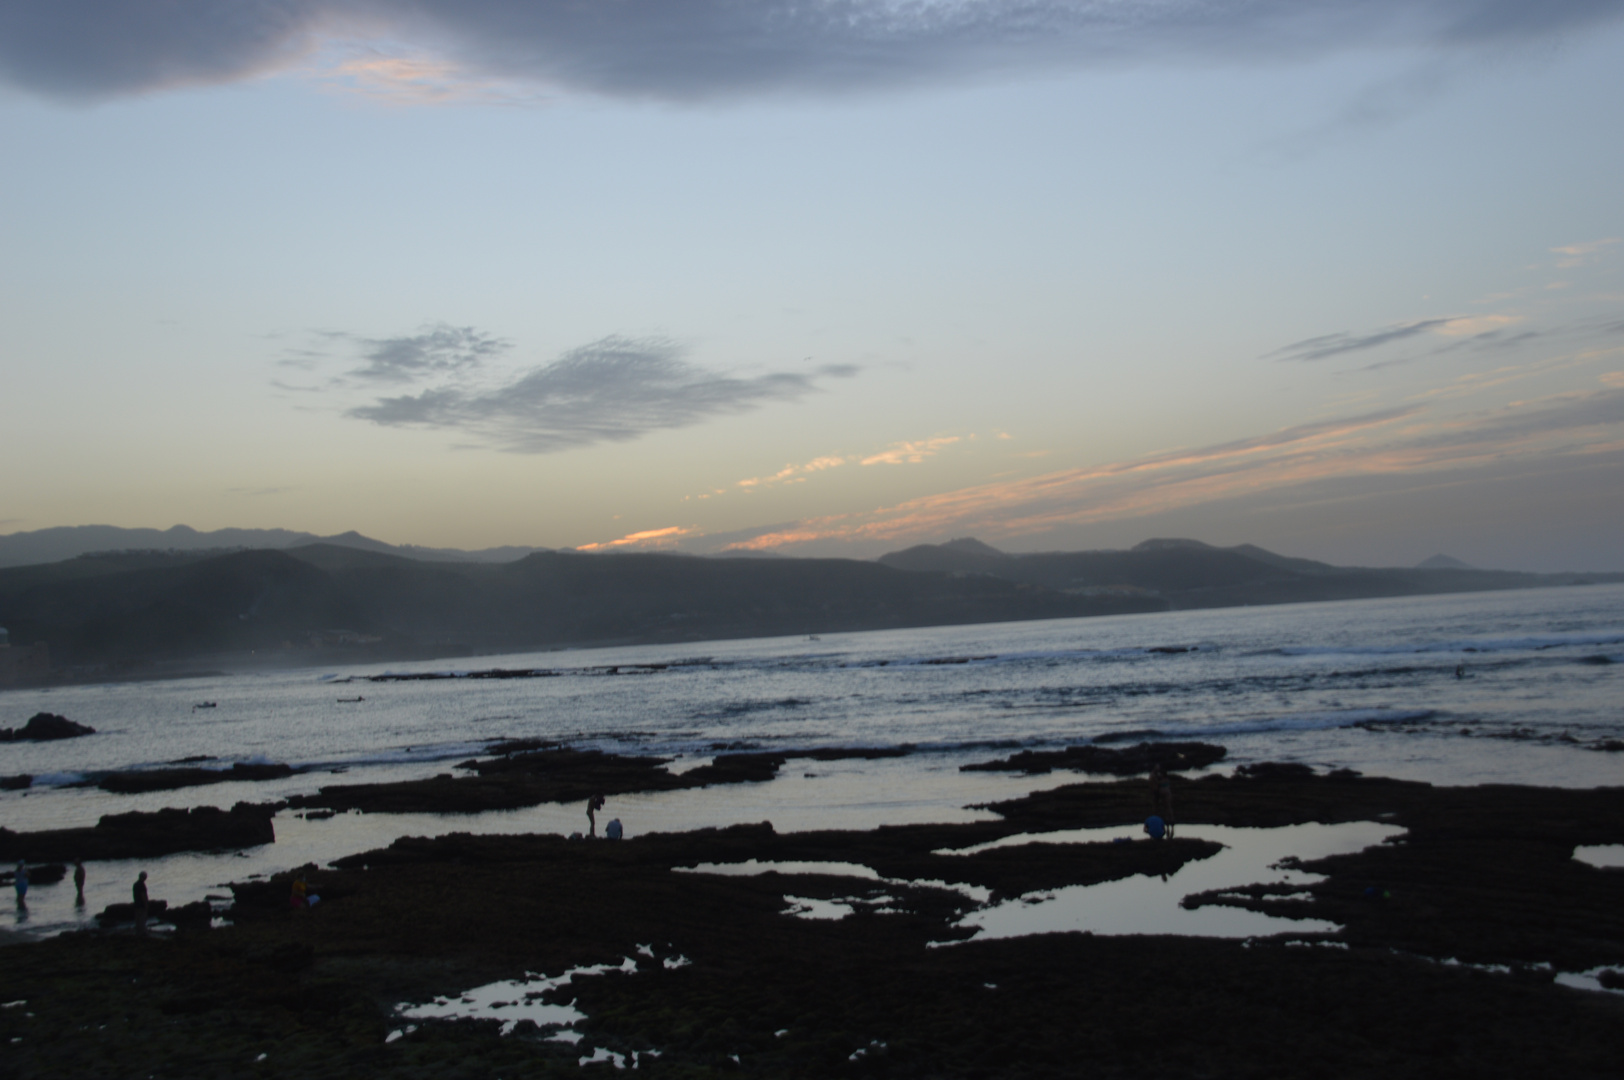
(911, 453)
(649, 538)
(1395, 443)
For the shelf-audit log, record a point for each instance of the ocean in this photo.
(1507, 687)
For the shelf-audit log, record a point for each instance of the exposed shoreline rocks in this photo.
(716, 978)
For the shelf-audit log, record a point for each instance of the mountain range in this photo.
(129, 610)
(71, 541)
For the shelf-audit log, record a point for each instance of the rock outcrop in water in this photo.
(144, 780)
(1172, 756)
(46, 727)
(530, 773)
(138, 835)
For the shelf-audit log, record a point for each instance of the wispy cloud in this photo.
(612, 390)
(1393, 446)
(1580, 254)
(435, 350)
(704, 48)
(647, 539)
(1329, 345)
(791, 474)
(911, 453)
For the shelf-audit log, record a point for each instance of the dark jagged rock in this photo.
(45, 727)
(531, 772)
(1275, 770)
(138, 835)
(1172, 756)
(144, 780)
(21, 782)
(197, 915)
(1485, 875)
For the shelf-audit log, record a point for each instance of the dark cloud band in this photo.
(704, 48)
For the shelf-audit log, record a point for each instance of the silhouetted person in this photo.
(1161, 795)
(1460, 671)
(79, 882)
(613, 830)
(20, 883)
(138, 893)
(593, 805)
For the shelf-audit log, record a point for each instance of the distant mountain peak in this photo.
(1443, 562)
(1170, 544)
(969, 545)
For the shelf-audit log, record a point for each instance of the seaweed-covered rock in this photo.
(44, 727)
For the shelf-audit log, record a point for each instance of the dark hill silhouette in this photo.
(72, 541)
(324, 602)
(1443, 562)
(1189, 573)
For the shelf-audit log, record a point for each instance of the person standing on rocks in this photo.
(79, 882)
(138, 893)
(1161, 795)
(593, 805)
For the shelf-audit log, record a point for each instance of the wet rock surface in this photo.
(45, 727)
(145, 780)
(1172, 756)
(529, 773)
(139, 835)
(1484, 875)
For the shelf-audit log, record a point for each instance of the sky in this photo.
(831, 277)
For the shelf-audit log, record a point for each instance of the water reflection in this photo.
(1151, 905)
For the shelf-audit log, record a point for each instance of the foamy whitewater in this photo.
(1507, 687)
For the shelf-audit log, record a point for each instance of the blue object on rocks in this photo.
(1156, 827)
